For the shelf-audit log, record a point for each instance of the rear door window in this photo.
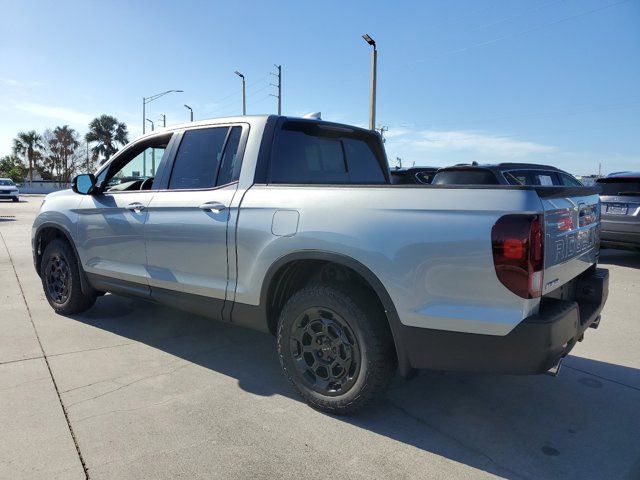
(306, 153)
(230, 165)
(206, 158)
(545, 179)
(568, 181)
(532, 177)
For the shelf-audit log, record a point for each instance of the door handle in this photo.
(135, 207)
(215, 207)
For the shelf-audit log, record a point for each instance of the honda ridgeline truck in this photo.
(292, 226)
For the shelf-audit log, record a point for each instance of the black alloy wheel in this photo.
(325, 351)
(335, 346)
(57, 277)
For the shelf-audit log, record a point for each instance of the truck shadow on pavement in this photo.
(583, 424)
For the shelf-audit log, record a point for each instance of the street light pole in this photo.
(150, 99)
(153, 156)
(164, 120)
(244, 92)
(190, 110)
(374, 62)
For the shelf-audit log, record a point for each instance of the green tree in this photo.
(63, 156)
(29, 145)
(108, 133)
(11, 167)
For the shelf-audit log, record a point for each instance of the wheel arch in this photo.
(280, 267)
(47, 232)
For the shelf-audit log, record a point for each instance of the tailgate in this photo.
(572, 227)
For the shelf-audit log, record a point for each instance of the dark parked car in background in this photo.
(505, 174)
(417, 175)
(620, 197)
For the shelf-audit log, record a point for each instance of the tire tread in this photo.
(78, 302)
(368, 313)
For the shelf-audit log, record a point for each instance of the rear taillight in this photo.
(518, 253)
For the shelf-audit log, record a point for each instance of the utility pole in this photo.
(374, 62)
(382, 129)
(244, 92)
(86, 166)
(279, 87)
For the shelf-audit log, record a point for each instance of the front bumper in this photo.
(534, 346)
(12, 194)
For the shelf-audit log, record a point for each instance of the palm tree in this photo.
(29, 144)
(108, 132)
(63, 147)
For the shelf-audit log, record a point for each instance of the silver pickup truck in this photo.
(291, 226)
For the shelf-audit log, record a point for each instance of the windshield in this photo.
(6, 183)
(619, 186)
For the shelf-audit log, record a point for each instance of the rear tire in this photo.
(335, 347)
(60, 275)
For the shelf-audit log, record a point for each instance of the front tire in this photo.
(335, 347)
(60, 275)
(15, 199)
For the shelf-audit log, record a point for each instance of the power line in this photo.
(457, 19)
(613, 104)
(225, 105)
(238, 92)
(498, 22)
(528, 134)
(532, 29)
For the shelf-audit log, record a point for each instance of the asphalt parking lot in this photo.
(135, 390)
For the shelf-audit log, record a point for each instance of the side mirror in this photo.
(84, 184)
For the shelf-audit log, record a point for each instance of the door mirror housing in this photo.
(84, 184)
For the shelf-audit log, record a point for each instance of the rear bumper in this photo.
(534, 346)
(616, 239)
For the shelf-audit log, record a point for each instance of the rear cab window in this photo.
(313, 153)
(476, 176)
(620, 187)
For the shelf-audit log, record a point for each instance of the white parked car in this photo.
(8, 189)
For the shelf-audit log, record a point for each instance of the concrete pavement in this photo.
(151, 392)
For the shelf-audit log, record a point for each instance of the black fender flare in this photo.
(85, 286)
(404, 367)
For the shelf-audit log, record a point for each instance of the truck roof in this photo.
(251, 119)
(622, 175)
(502, 166)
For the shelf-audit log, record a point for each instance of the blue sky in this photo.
(553, 81)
